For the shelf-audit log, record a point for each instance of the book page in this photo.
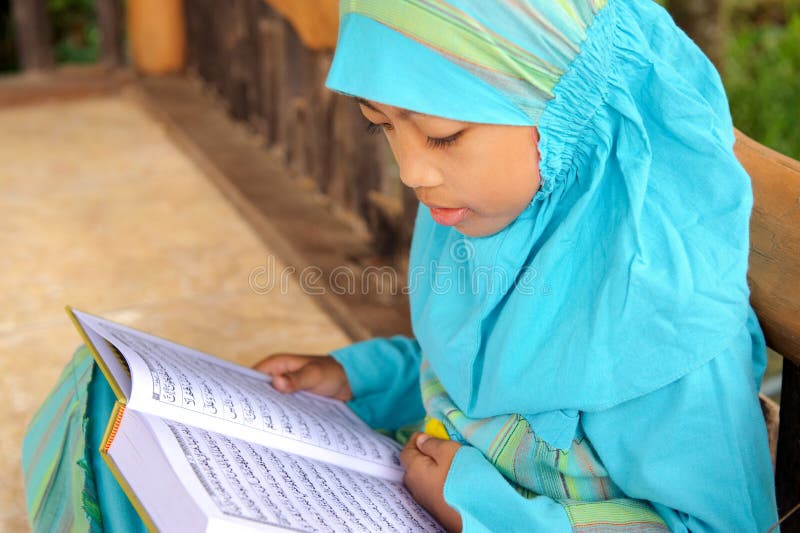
(172, 381)
(160, 484)
(113, 364)
(271, 487)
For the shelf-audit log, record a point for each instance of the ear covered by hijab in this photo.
(628, 268)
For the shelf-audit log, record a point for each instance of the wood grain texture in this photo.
(109, 20)
(33, 34)
(774, 273)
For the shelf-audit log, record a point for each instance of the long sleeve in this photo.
(696, 448)
(384, 377)
(690, 456)
(487, 502)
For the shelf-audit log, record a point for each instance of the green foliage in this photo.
(762, 74)
(75, 32)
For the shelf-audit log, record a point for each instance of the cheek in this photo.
(527, 165)
(535, 167)
(517, 173)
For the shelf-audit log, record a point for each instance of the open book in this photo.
(202, 444)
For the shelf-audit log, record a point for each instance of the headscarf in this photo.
(627, 270)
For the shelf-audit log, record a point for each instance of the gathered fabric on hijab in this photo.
(615, 305)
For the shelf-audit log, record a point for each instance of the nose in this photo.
(417, 171)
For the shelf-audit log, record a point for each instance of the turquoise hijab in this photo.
(627, 270)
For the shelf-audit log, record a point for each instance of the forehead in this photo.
(414, 116)
(404, 113)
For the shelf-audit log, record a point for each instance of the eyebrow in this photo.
(404, 113)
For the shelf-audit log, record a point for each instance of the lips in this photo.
(448, 216)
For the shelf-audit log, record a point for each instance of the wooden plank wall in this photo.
(33, 34)
(254, 59)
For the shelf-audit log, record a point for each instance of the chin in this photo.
(470, 230)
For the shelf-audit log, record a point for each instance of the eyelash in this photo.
(373, 128)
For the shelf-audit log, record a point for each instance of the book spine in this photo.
(112, 429)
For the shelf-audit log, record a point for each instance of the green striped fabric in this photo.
(525, 67)
(575, 477)
(59, 488)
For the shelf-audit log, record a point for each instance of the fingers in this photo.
(322, 375)
(290, 372)
(305, 377)
(411, 453)
(437, 449)
(281, 363)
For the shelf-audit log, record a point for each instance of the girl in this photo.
(584, 351)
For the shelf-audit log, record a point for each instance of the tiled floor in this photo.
(99, 210)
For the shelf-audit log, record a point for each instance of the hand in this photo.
(314, 373)
(427, 461)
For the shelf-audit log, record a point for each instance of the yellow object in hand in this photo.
(436, 429)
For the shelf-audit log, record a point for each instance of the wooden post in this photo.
(33, 34)
(258, 13)
(297, 143)
(265, 124)
(214, 45)
(109, 19)
(300, 62)
(156, 31)
(292, 77)
(342, 151)
(239, 60)
(243, 61)
(222, 58)
(206, 43)
(787, 484)
(251, 13)
(282, 94)
(320, 119)
(193, 23)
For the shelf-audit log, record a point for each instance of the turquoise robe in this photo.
(616, 304)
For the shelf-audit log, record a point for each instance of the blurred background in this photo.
(177, 165)
(754, 43)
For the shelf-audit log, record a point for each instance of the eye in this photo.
(373, 128)
(444, 142)
(432, 142)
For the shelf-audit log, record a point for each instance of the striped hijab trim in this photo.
(526, 78)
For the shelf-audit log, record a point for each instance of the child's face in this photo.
(491, 171)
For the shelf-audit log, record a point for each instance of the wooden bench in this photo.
(774, 277)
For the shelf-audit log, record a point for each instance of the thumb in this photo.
(431, 446)
(303, 378)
